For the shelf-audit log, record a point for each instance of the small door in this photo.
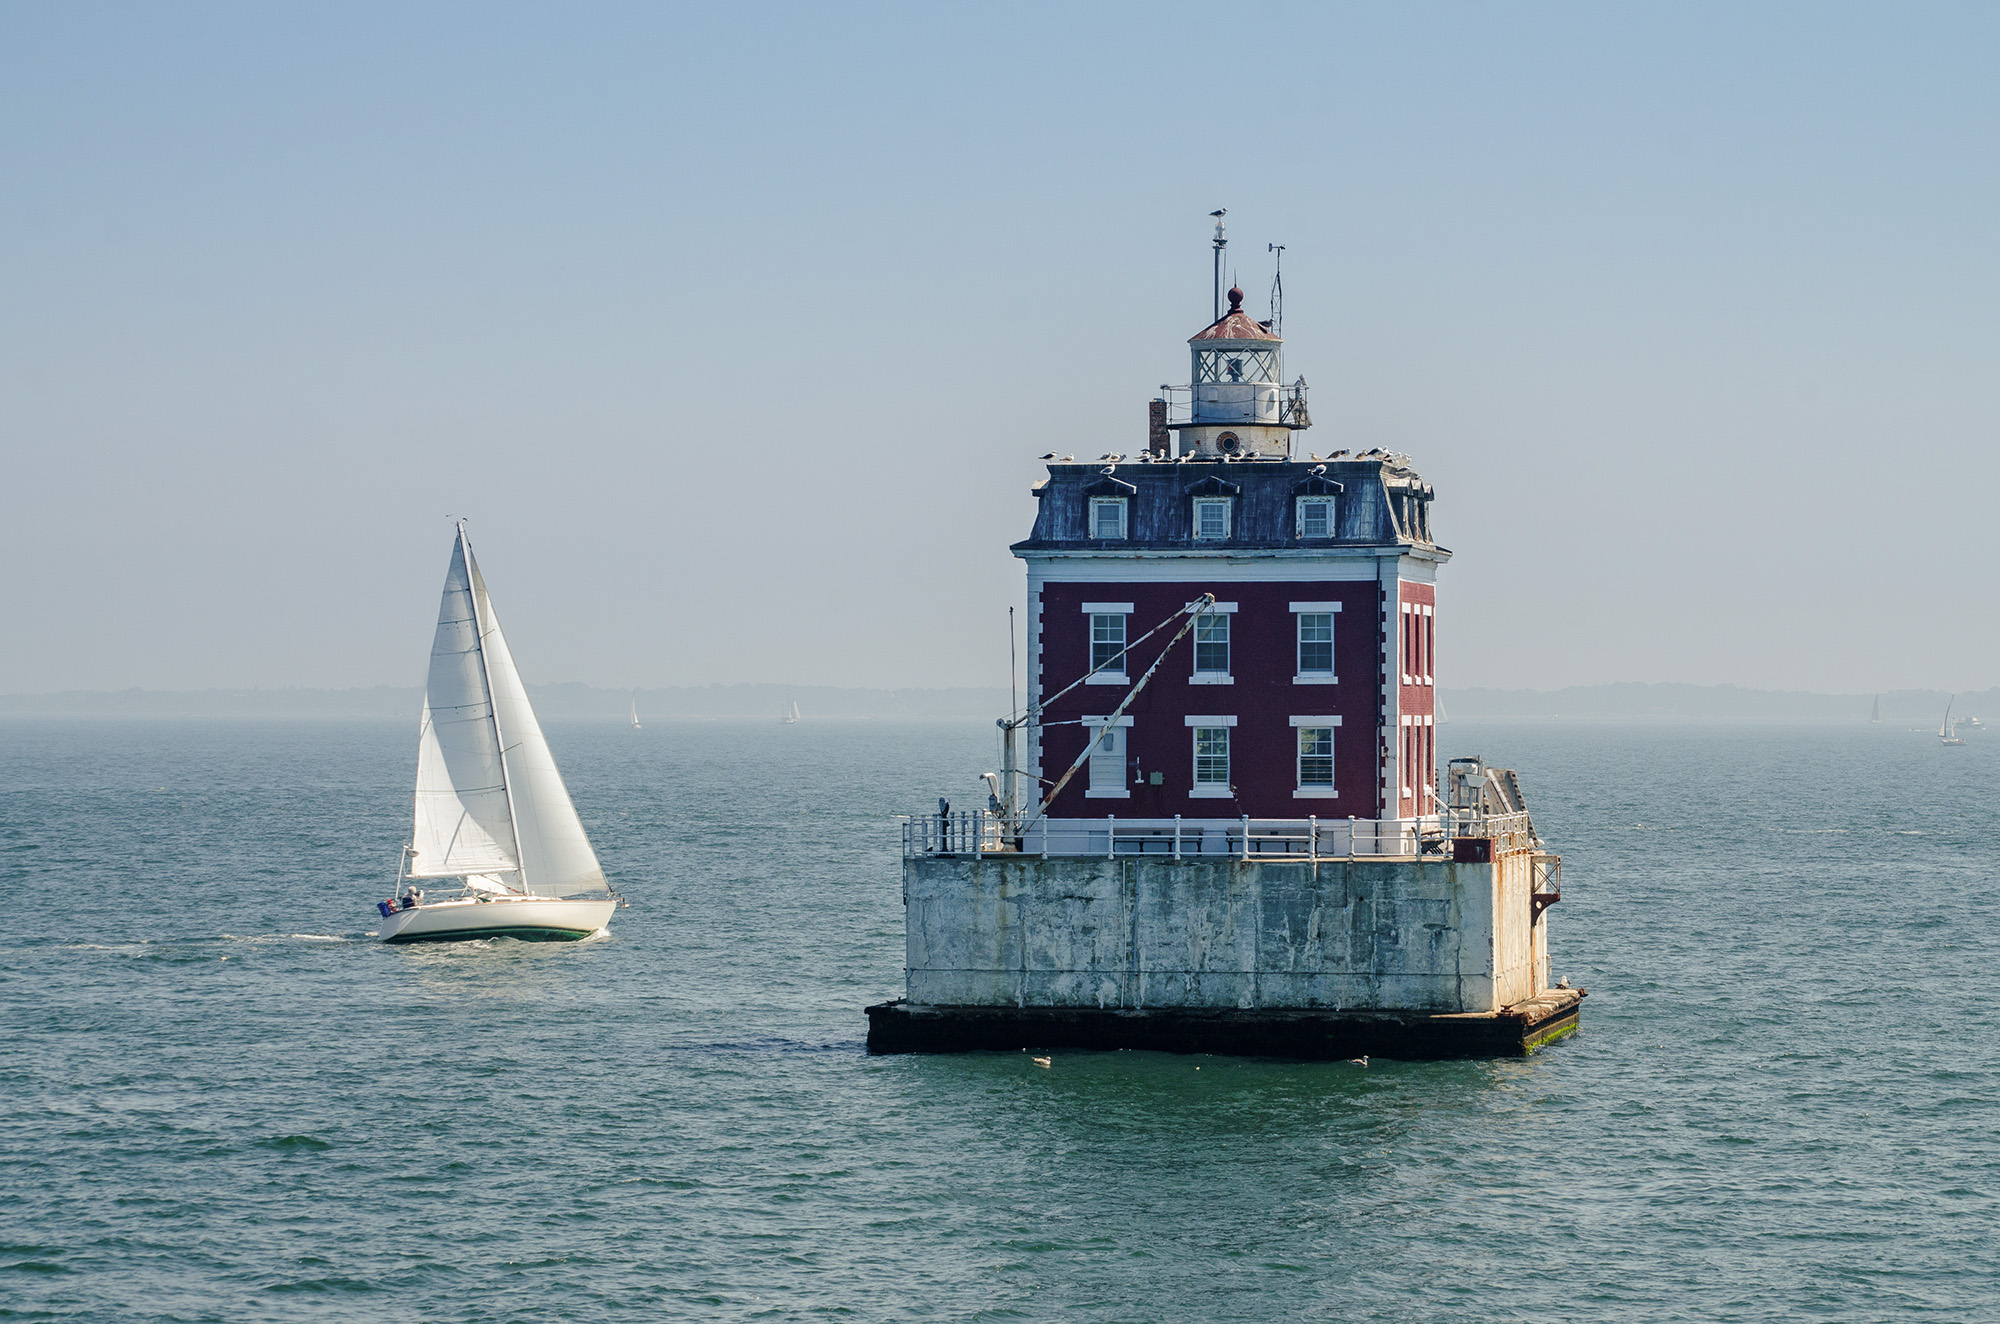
(1107, 759)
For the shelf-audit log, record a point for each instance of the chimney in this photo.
(1158, 440)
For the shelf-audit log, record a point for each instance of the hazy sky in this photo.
(736, 330)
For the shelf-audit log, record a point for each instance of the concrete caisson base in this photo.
(1308, 1035)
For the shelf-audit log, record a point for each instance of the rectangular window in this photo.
(1211, 756)
(1315, 643)
(1211, 518)
(1107, 517)
(1107, 763)
(1315, 757)
(1107, 643)
(1211, 645)
(1316, 517)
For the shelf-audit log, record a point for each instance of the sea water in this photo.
(221, 1100)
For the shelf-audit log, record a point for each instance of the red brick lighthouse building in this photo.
(1225, 832)
(1306, 690)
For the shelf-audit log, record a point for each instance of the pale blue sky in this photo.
(736, 330)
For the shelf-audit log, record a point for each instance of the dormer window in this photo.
(1211, 518)
(1107, 517)
(1315, 517)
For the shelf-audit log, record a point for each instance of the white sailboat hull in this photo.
(529, 918)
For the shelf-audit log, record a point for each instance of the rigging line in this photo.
(1043, 705)
(1195, 611)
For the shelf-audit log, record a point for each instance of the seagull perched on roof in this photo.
(1067, 458)
(1336, 455)
(1050, 456)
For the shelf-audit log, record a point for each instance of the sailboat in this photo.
(1875, 716)
(1948, 732)
(491, 809)
(635, 712)
(791, 716)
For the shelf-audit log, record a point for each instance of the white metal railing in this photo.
(983, 832)
(1311, 838)
(1508, 831)
(971, 832)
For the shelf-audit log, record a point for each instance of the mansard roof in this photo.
(1161, 496)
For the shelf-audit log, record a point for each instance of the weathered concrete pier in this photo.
(1313, 941)
(1233, 836)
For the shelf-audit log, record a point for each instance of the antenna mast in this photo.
(1278, 290)
(1221, 242)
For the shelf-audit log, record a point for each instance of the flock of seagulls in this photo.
(1397, 458)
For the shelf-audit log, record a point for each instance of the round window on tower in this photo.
(1228, 444)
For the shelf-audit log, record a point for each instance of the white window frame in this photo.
(1202, 503)
(1096, 726)
(1427, 629)
(1302, 676)
(1199, 790)
(1301, 791)
(1332, 515)
(1092, 610)
(1405, 641)
(1100, 503)
(1221, 611)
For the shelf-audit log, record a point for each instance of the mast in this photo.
(472, 586)
(1221, 242)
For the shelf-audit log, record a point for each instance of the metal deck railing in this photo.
(981, 832)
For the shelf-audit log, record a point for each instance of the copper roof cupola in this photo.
(1240, 404)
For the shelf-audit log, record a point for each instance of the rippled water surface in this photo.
(222, 1100)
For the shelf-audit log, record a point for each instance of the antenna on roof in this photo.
(1221, 242)
(1277, 290)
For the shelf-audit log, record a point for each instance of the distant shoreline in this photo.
(571, 701)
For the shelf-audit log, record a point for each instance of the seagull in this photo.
(1040, 1061)
(1336, 455)
(1050, 456)
(1067, 458)
(1361, 1061)
(1563, 982)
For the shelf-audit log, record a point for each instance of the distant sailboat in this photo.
(1948, 732)
(791, 716)
(491, 809)
(635, 711)
(1876, 714)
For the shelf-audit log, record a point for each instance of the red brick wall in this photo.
(1263, 699)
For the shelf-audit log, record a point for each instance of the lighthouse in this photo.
(1221, 824)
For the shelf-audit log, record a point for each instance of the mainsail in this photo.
(489, 798)
(556, 858)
